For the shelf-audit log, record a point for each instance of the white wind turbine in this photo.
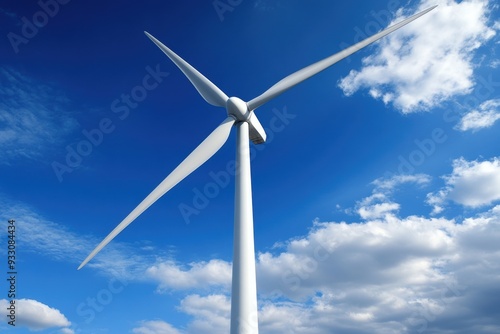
(241, 114)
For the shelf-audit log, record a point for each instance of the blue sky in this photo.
(376, 197)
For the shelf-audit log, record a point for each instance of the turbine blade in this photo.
(307, 72)
(210, 92)
(201, 154)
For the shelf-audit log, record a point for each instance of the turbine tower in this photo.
(241, 115)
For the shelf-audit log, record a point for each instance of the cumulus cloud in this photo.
(428, 61)
(33, 117)
(284, 317)
(35, 315)
(390, 275)
(385, 251)
(471, 184)
(386, 276)
(171, 275)
(486, 115)
(211, 313)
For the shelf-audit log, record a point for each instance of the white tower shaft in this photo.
(244, 318)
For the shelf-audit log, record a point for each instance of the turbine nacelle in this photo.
(238, 109)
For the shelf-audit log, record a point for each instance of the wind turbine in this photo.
(241, 115)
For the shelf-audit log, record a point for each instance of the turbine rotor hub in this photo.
(238, 109)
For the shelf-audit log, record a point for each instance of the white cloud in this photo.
(284, 317)
(485, 117)
(392, 275)
(386, 251)
(67, 331)
(389, 275)
(33, 117)
(35, 315)
(211, 313)
(471, 183)
(428, 61)
(436, 200)
(199, 275)
(496, 62)
(386, 276)
(390, 183)
(376, 206)
(379, 205)
(155, 327)
(56, 242)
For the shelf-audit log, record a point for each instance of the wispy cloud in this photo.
(427, 62)
(9, 14)
(379, 204)
(484, 117)
(57, 242)
(388, 184)
(34, 117)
